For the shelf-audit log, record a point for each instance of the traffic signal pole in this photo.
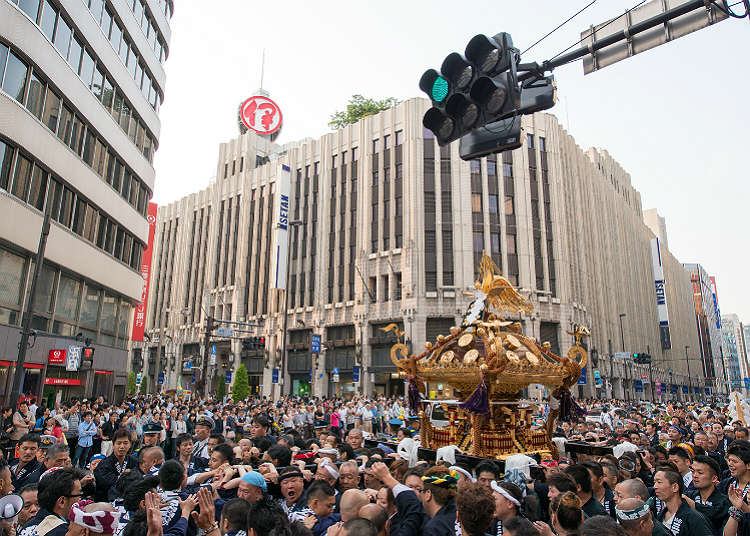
(206, 353)
(28, 312)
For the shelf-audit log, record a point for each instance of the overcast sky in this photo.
(674, 117)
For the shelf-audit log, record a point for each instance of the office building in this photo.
(82, 83)
(730, 324)
(389, 228)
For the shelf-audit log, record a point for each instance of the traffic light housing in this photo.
(254, 343)
(474, 89)
(642, 358)
(87, 358)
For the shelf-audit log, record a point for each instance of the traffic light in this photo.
(474, 89)
(254, 343)
(642, 358)
(87, 358)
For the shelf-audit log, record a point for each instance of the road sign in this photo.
(685, 389)
(315, 347)
(188, 365)
(228, 376)
(138, 378)
(161, 378)
(213, 349)
(212, 361)
(644, 378)
(275, 376)
(638, 386)
(747, 383)
(224, 332)
(310, 376)
(193, 377)
(336, 378)
(622, 355)
(355, 374)
(335, 370)
(689, 21)
(261, 115)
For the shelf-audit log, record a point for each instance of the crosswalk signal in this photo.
(474, 89)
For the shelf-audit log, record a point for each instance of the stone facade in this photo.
(391, 229)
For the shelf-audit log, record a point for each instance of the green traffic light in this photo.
(439, 89)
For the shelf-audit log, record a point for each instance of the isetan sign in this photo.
(56, 357)
(139, 320)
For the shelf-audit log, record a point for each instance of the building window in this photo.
(476, 203)
(14, 80)
(530, 141)
(509, 209)
(493, 206)
(399, 137)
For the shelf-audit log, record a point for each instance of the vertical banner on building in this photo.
(139, 320)
(281, 226)
(661, 294)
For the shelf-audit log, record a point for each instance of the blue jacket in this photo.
(86, 433)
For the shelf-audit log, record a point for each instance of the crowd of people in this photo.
(158, 465)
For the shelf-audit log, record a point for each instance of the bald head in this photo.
(631, 489)
(351, 501)
(376, 514)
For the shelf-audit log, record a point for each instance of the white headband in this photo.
(463, 471)
(502, 491)
(636, 513)
(326, 462)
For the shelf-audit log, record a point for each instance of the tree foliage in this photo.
(144, 381)
(131, 383)
(358, 108)
(221, 390)
(240, 389)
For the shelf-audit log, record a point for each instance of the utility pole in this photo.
(651, 372)
(611, 369)
(690, 378)
(28, 312)
(625, 364)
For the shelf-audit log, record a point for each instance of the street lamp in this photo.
(294, 223)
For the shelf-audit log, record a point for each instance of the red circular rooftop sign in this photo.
(261, 115)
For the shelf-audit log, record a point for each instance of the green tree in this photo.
(358, 108)
(143, 386)
(131, 383)
(221, 391)
(241, 389)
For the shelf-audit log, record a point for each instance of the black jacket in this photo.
(444, 522)
(30, 474)
(715, 509)
(106, 475)
(687, 522)
(409, 517)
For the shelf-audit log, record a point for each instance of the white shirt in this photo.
(688, 478)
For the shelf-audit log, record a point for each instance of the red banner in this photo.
(102, 372)
(61, 381)
(139, 320)
(56, 357)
